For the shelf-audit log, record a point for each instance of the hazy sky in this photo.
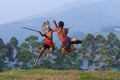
(11, 10)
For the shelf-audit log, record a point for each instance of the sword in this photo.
(34, 30)
(30, 29)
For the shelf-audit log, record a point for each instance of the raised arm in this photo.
(55, 23)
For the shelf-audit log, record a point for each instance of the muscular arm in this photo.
(44, 35)
(54, 29)
(41, 33)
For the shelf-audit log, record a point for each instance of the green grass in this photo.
(47, 74)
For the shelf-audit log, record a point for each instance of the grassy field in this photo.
(48, 74)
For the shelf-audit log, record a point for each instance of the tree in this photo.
(12, 48)
(88, 50)
(28, 49)
(2, 55)
(33, 43)
(113, 46)
(31, 38)
(13, 41)
(24, 46)
(2, 47)
(24, 59)
(101, 51)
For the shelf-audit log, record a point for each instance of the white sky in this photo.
(11, 10)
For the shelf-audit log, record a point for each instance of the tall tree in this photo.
(13, 41)
(24, 59)
(113, 46)
(12, 48)
(101, 51)
(87, 50)
(2, 54)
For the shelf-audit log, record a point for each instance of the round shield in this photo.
(46, 27)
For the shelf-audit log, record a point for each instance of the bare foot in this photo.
(74, 48)
(67, 51)
(36, 63)
(45, 55)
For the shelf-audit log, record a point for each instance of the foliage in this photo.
(95, 53)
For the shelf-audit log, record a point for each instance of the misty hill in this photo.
(94, 16)
(14, 30)
(106, 30)
(81, 19)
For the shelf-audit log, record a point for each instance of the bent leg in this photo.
(65, 51)
(75, 41)
(39, 55)
(50, 51)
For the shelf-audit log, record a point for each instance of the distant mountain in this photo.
(14, 29)
(92, 17)
(81, 19)
(106, 30)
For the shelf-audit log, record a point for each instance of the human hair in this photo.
(61, 24)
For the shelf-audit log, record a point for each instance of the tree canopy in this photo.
(96, 53)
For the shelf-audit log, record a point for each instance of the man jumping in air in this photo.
(48, 42)
(66, 41)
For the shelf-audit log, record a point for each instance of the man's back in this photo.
(61, 32)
